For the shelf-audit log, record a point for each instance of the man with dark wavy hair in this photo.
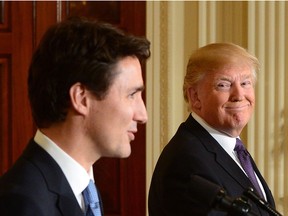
(85, 84)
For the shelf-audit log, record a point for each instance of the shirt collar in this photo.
(76, 175)
(226, 142)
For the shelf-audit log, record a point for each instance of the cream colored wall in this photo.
(175, 28)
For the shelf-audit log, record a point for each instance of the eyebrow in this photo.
(140, 88)
(225, 78)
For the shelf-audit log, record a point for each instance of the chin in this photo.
(125, 153)
(128, 153)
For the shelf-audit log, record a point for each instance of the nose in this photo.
(141, 116)
(237, 93)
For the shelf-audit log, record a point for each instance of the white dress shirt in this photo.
(227, 143)
(76, 175)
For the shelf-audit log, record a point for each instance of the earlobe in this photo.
(78, 97)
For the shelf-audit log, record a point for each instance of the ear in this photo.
(193, 98)
(78, 96)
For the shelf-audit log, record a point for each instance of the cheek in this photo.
(252, 99)
(120, 114)
(214, 101)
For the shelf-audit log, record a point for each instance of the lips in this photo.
(131, 135)
(132, 130)
(241, 107)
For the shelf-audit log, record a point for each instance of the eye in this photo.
(136, 92)
(132, 95)
(223, 85)
(246, 83)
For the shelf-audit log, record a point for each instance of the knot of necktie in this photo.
(239, 145)
(240, 148)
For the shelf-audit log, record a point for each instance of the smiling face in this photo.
(112, 122)
(225, 99)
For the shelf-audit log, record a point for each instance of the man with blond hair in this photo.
(219, 90)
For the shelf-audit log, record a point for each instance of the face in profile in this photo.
(113, 120)
(225, 99)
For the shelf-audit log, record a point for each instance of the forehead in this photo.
(128, 71)
(230, 73)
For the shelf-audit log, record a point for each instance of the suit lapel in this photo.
(268, 193)
(220, 155)
(67, 206)
(55, 179)
(224, 160)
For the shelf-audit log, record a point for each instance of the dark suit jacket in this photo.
(36, 185)
(193, 151)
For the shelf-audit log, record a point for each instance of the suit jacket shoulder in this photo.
(36, 185)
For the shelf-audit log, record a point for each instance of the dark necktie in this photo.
(91, 199)
(244, 158)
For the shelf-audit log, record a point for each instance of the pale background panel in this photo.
(175, 29)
